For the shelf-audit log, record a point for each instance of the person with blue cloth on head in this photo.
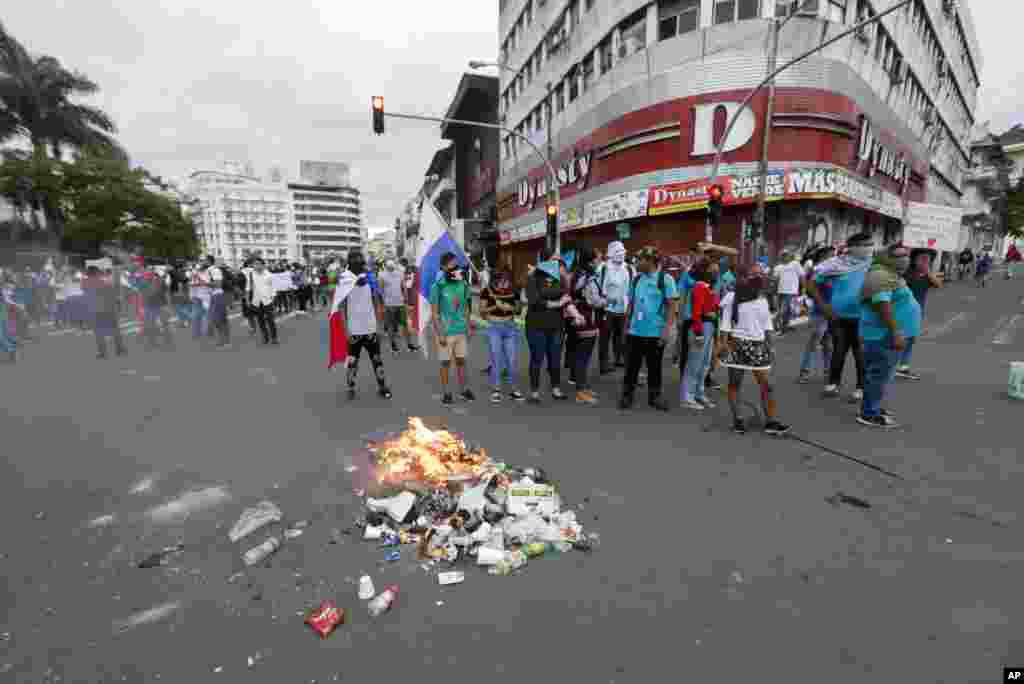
(843, 277)
(890, 316)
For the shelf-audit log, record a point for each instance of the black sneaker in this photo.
(713, 385)
(739, 427)
(447, 399)
(558, 395)
(413, 348)
(534, 398)
(907, 374)
(774, 427)
(804, 378)
(496, 397)
(275, 342)
(467, 394)
(625, 403)
(351, 394)
(516, 395)
(658, 404)
(572, 381)
(607, 370)
(384, 393)
(879, 421)
(485, 371)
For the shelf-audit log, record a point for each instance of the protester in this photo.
(583, 318)
(983, 267)
(8, 340)
(890, 315)
(788, 274)
(259, 300)
(819, 340)
(499, 305)
(358, 298)
(613, 282)
(394, 304)
(152, 288)
(842, 278)
(199, 290)
(220, 292)
(1013, 261)
(451, 306)
(546, 296)
(104, 307)
(650, 321)
(919, 279)
(180, 297)
(411, 298)
(705, 316)
(746, 326)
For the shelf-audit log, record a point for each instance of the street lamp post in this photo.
(770, 79)
(554, 241)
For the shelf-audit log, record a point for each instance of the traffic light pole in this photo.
(778, 70)
(556, 247)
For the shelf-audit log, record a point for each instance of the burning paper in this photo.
(430, 456)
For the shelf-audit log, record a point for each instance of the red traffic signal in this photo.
(715, 192)
(378, 114)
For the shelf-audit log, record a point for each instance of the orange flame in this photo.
(433, 456)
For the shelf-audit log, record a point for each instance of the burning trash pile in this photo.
(448, 501)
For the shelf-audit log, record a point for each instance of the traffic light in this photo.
(378, 114)
(715, 193)
(552, 223)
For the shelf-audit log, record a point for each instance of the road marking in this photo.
(1005, 336)
(948, 326)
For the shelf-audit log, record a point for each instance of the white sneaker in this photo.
(831, 390)
(857, 395)
(692, 405)
(706, 403)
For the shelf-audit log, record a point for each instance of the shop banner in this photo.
(932, 226)
(669, 199)
(618, 207)
(569, 218)
(524, 233)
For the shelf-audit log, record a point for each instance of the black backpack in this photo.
(604, 270)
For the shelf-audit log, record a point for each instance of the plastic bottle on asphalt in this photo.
(366, 590)
(259, 553)
(383, 602)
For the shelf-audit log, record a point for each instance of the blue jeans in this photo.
(786, 304)
(200, 319)
(545, 345)
(907, 353)
(880, 361)
(183, 310)
(698, 363)
(503, 342)
(819, 341)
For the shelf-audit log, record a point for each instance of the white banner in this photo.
(933, 226)
(619, 207)
(527, 232)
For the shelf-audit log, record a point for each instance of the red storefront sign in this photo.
(691, 195)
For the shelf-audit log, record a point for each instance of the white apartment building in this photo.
(239, 215)
(637, 93)
(327, 211)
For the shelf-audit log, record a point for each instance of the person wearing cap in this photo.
(613, 279)
(920, 280)
(650, 321)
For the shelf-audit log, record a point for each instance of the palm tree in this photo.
(36, 93)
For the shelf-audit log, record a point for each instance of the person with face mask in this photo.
(704, 309)
(546, 297)
(842, 278)
(499, 304)
(451, 306)
(890, 316)
(358, 299)
(394, 306)
(920, 280)
(586, 302)
(613, 279)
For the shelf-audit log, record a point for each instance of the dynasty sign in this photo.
(880, 158)
(576, 172)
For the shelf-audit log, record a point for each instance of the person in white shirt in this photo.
(358, 299)
(260, 295)
(391, 286)
(745, 323)
(613, 281)
(788, 274)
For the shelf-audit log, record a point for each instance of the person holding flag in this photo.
(356, 312)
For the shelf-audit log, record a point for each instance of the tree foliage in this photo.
(1015, 210)
(100, 199)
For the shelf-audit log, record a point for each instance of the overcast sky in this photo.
(191, 83)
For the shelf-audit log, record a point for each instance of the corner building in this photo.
(632, 97)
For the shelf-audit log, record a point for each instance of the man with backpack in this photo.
(650, 320)
(613, 280)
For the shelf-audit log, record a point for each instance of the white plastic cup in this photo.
(489, 556)
(366, 590)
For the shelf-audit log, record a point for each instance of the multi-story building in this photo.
(237, 215)
(328, 216)
(634, 96)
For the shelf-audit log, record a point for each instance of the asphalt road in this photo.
(721, 560)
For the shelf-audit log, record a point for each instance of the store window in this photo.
(727, 11)
(604, 51)
(783, 8)
(676, 17)
(588, 72)
(634, 34)
(574, 83)
(560, 97)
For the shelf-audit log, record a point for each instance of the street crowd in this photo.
(628, 311)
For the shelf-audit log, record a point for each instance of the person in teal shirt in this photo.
(450, 303)
(889, 316)
(649, 323)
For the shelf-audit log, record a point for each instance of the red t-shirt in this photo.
(705, 302)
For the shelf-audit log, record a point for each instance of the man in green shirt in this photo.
(451, 307)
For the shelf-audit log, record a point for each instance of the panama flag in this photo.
(337, 335)
(435, 242)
